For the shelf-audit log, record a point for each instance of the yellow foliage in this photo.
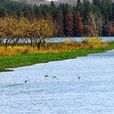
(93, 43)
(53, 47)
(25, 49)
(13, 30)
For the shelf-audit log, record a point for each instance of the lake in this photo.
(78, 39)
(61, 92)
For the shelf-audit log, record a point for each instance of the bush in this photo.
(93, 43)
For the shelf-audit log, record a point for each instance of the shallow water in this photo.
(93, 93)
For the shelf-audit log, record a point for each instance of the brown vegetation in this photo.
(53, 47)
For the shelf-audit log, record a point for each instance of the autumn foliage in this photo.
(14, 30)
(111, 29)
(91, 25)
(78, 25)
(69, 23)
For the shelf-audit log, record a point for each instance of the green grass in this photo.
(29, 59)
(4, 70)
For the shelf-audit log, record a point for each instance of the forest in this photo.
(84, 19)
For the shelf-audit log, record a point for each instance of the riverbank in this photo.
(29, 59)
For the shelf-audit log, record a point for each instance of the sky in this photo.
(51, 0)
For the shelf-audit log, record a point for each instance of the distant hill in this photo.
(74, 1)
(33, 1)
(38, 2)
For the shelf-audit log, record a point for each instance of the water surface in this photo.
(93, 93)
(78, 39)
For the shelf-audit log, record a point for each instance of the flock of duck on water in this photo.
(54, 77)
(26, 81)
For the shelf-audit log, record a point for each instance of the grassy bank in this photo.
(29, 59)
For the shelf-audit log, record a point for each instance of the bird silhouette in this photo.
(78, 77)
(46, 75)
(26, 81)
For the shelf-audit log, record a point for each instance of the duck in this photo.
(46, 76)
(26, 81)
(54, 77)
(78, 77)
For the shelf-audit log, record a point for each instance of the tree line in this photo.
(84, 19)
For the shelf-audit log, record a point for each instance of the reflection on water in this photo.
(14, 85)
(93, 93)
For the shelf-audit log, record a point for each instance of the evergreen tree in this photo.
(109, 9)
(113, 12)
(78, 1)
(78, 26)
(97, 3)
(58, 17)
(80, 8)
(104, 11)
(107, 14)
(26, 11)
(87, 8)
(3, 12)
(44, 10)
(53, 7)
(69, 23)
(37, 12)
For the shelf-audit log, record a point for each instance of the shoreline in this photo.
(35, 58)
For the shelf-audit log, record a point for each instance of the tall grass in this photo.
(23, 50)
(53, 47)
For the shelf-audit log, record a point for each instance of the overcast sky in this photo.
(51, 0)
